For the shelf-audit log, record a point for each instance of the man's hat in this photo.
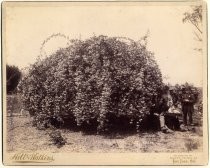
(166, 88)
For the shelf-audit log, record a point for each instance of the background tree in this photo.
(195, 18)
(13, 78)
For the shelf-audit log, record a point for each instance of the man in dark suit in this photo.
(188, 101)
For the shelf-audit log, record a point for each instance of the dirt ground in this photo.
(21, 136)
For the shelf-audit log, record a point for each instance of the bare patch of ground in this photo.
(21, 136)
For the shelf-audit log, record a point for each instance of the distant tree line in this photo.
(13, 76)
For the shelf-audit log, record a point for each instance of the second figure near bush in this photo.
(165, 103)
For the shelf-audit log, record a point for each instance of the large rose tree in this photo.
(92, 80)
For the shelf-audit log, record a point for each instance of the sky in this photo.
(172, 41)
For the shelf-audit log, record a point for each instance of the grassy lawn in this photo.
(21, 136)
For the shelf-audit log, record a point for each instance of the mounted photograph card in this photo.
(104, 83)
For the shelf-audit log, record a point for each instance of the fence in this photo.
(14, 106)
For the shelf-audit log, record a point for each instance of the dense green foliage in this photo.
(92, 79)
(13, 78)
